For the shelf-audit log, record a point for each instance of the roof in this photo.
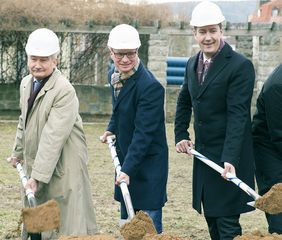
(268, 12)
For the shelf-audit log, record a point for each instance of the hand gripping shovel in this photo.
(269, 202)
(229, 176)
(139, 224)
(40, 218)
(122, 185)
(30, 197)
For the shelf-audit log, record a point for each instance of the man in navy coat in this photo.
(138, 122)
(267, 136)
(218, 87)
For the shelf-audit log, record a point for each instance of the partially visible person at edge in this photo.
(138, 122)
(267, 137)
(218, 87)
(50, 140)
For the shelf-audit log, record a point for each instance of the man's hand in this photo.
(31, 184)
(13, 161)
(122, 177)
(184, 146)
(103, 138)
(228, 167)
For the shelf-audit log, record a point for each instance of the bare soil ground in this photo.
(178, 216)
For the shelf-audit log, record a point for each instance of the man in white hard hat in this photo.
(50, 140)
(139, 125)
(218, 89)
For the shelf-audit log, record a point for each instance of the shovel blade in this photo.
(252, 203)
(42, 218)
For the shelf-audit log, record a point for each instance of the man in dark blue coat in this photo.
(138, 122)
(267, 136)
(218, 87)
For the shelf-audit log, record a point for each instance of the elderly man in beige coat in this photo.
(50, 139)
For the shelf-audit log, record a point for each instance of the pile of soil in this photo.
(138, 227)
(42, 218)
(141, 227)
(257, 235)
(162, 236)
(94, 237)
(271, 201)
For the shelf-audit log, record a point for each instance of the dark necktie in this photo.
(205, 71)
(36, 85)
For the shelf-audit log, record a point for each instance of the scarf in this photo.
(118, 78)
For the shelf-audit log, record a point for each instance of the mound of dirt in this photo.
(162, 236)
(257, 235)
(42, 218)
(271, 201)
(138, 227)
(94, 237)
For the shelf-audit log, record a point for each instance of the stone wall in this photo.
(263, 47)
(94, 102)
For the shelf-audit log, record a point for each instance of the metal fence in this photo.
(84, 58)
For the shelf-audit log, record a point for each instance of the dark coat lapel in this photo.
(220, 61)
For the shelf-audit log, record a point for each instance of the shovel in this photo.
(141, 223)
(230, 177)
(122, 185)
(40, 218)
(30, 197)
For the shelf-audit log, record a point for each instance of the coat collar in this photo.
(28, 86)
(130, 82)
(220, 62)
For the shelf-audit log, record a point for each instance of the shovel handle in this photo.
(28, 192)
(231, 177)
(122, 185)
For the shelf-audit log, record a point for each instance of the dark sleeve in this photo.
(273, 111)
(111, 125)
(183, 112)
(238, 100)
(149, 118)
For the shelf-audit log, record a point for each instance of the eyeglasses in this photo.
(120, 55)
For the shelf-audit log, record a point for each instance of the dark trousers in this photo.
(274, 223)
(224, 228)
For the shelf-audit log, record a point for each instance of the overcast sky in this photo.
(163, 1)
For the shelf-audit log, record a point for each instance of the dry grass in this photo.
(178, 216)
(19, 13)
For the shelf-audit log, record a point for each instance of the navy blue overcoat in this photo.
(138, 122)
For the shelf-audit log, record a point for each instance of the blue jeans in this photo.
(155, 215)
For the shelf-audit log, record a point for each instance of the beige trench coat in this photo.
(54, 151)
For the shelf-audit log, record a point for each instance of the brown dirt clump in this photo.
(42, 218)
(163, 236)
(257, 235)
(138, 227)
(271, 201)
(94, 237)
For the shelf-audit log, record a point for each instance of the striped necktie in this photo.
(205, 71)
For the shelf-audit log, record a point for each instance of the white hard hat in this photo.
(124, 36)
(206, 13)
(43, 43)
